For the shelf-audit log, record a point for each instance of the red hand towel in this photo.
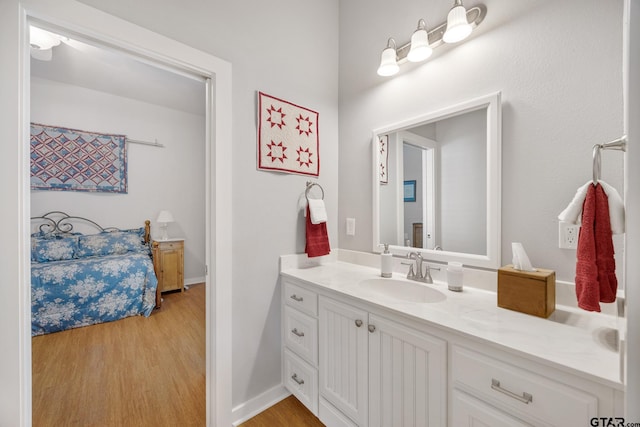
(604, 248)
(595, 268)
(587, 288)
(317, 238)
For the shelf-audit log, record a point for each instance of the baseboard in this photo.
(253, 407)
(194, 281)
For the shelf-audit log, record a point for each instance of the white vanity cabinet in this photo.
(355, 363)
(343, 359)
(407, 376)
(300, 338)
(499, 389)
(377, 371)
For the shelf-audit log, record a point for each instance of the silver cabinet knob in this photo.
(372, 328)
(358, 323)
(296, 332)
(296, 379)
(296, 298)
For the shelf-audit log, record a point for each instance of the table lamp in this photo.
(164, 218)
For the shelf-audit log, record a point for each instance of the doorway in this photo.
(103, 29)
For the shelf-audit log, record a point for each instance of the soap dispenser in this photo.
(386, 262)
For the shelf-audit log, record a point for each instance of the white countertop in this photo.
(570, 339)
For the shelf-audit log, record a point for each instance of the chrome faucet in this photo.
(418, 274)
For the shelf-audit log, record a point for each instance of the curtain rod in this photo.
(152, 144)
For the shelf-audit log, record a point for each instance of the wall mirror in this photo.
(436, 184)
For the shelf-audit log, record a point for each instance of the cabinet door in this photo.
(470, 412)
(407, 376)
(343, 358)
(171, 262)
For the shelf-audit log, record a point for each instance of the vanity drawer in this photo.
(301, 334)
(519, 391)
(301, 379)
(300, 298)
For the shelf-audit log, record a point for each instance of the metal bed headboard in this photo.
(59, 222)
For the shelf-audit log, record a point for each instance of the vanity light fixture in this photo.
(458, 27)
(389, 60)
(460, 23)
(420, 49)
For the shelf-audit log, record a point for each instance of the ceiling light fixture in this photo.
(42, 42)
(460, 23)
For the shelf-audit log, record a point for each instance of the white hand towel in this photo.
(616, 208)
(317, 211)
(573, 212)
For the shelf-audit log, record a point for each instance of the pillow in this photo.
(45, 250)
(111, 243)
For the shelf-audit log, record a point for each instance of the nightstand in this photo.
(168, 263)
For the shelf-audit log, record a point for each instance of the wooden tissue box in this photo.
(531, 292)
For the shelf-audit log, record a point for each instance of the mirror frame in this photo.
(493, 105)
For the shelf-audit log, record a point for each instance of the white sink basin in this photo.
(402, 290)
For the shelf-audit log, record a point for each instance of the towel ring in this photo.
(310, 185)
(596, 163)
(619, 144)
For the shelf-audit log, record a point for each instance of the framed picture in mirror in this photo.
(410, 191)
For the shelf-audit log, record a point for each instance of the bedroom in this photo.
(103, 91)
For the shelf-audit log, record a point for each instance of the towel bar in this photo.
(617, 144)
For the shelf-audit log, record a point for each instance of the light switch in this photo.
(351, 226)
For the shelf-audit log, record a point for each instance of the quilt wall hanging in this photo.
(75, 160)
(383, 167)
(287, 137)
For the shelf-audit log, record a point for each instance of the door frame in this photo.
(92, 24)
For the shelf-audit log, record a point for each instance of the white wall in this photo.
(15, 356)
(558, 66)
(288, 50)
(632, 201)
(462, 142)
(169, 178)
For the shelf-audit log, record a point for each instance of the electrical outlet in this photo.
(568, 235)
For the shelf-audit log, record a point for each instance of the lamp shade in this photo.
(165, 217)
(420, 49)
(458, 27)
(388, 62)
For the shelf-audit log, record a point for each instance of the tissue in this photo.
(520, 258)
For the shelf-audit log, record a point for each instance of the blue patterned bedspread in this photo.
(79, 292)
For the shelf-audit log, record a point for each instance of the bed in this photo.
(80, 279)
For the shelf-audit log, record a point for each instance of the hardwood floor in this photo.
(286, 413)
(133, 372)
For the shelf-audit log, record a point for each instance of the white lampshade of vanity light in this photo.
(388, 60)
(458, 27)
(420, 49)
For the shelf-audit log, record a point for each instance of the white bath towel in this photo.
(573, 212)
(317, 211)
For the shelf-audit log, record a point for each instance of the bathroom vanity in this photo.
(359, 350)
